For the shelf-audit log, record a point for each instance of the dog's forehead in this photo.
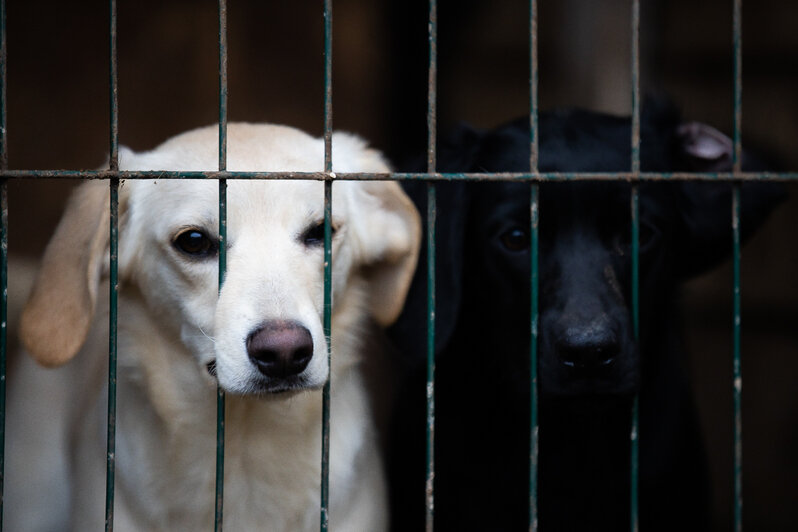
(273, 202)
(251, 147)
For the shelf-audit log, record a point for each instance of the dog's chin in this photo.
(271, 389)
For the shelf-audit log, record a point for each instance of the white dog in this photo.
(261, 338)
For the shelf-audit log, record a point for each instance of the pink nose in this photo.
(280, 349)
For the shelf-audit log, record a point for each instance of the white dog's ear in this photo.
(58, 314)
(389, 231)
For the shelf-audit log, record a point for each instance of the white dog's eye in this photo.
(314, 235)
(196, 243)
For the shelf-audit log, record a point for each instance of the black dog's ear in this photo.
(704, 148)
(408, 334)
(704, 237)
(456, 152)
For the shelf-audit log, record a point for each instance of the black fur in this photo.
(589, 364)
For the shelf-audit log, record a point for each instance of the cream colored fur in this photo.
(173, 322)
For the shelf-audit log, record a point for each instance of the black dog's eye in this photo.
(314, 236)
(195, 243)
(516, 239)
(647, 238)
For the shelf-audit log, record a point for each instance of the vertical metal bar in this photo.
(432, 211)
(325, 442)
(635, 208)
(533, 211)
(112, 353)
(3, 332)
(432, 208)
(113, 284)
(325, 417)
(737, 167)
(220, 397)
(3, 252)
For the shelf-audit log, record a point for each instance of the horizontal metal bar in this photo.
(404, 176)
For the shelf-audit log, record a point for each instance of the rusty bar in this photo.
(541, 177)
(218, 521)
(534, 143)
(222, 85)
(432, 207)
(324, 519)
(114, 92)
(328, 106)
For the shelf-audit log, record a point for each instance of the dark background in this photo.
(58, 119)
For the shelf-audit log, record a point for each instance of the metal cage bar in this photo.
(113, 267)
(218, 521)
(634, 450)
(534, 177)
(540, 177)
(736, 255)
(329, 175)
(533, 267)
(3, 252)
(432, 209)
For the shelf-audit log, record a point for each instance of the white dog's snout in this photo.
(280, 349)
(268, 341)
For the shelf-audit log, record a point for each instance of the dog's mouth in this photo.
(276, 388)
(280, 388)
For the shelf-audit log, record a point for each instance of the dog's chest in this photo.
(272, 467)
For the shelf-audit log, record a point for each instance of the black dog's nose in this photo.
(588, 350)
(280, 349)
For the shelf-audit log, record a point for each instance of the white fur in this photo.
(173, 322)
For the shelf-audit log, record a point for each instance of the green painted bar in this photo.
(738, 378)
(324, 519)
(220, 397)
(633, 435)
(635, 208)
(113, 281)
(3, 331)
(432, 212)
(534, 237)
(432, 209)
(736, 254)
(112, 356)
(3, 253)
(533, 359)
(325, 414)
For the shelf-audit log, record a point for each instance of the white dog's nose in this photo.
(280, 349)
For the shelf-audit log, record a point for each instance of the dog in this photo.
(589, 365)
(260, 338)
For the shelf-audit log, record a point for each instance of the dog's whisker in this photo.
(211, 338)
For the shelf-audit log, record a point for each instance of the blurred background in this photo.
(58, 119)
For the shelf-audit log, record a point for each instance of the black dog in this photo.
(589, 364)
